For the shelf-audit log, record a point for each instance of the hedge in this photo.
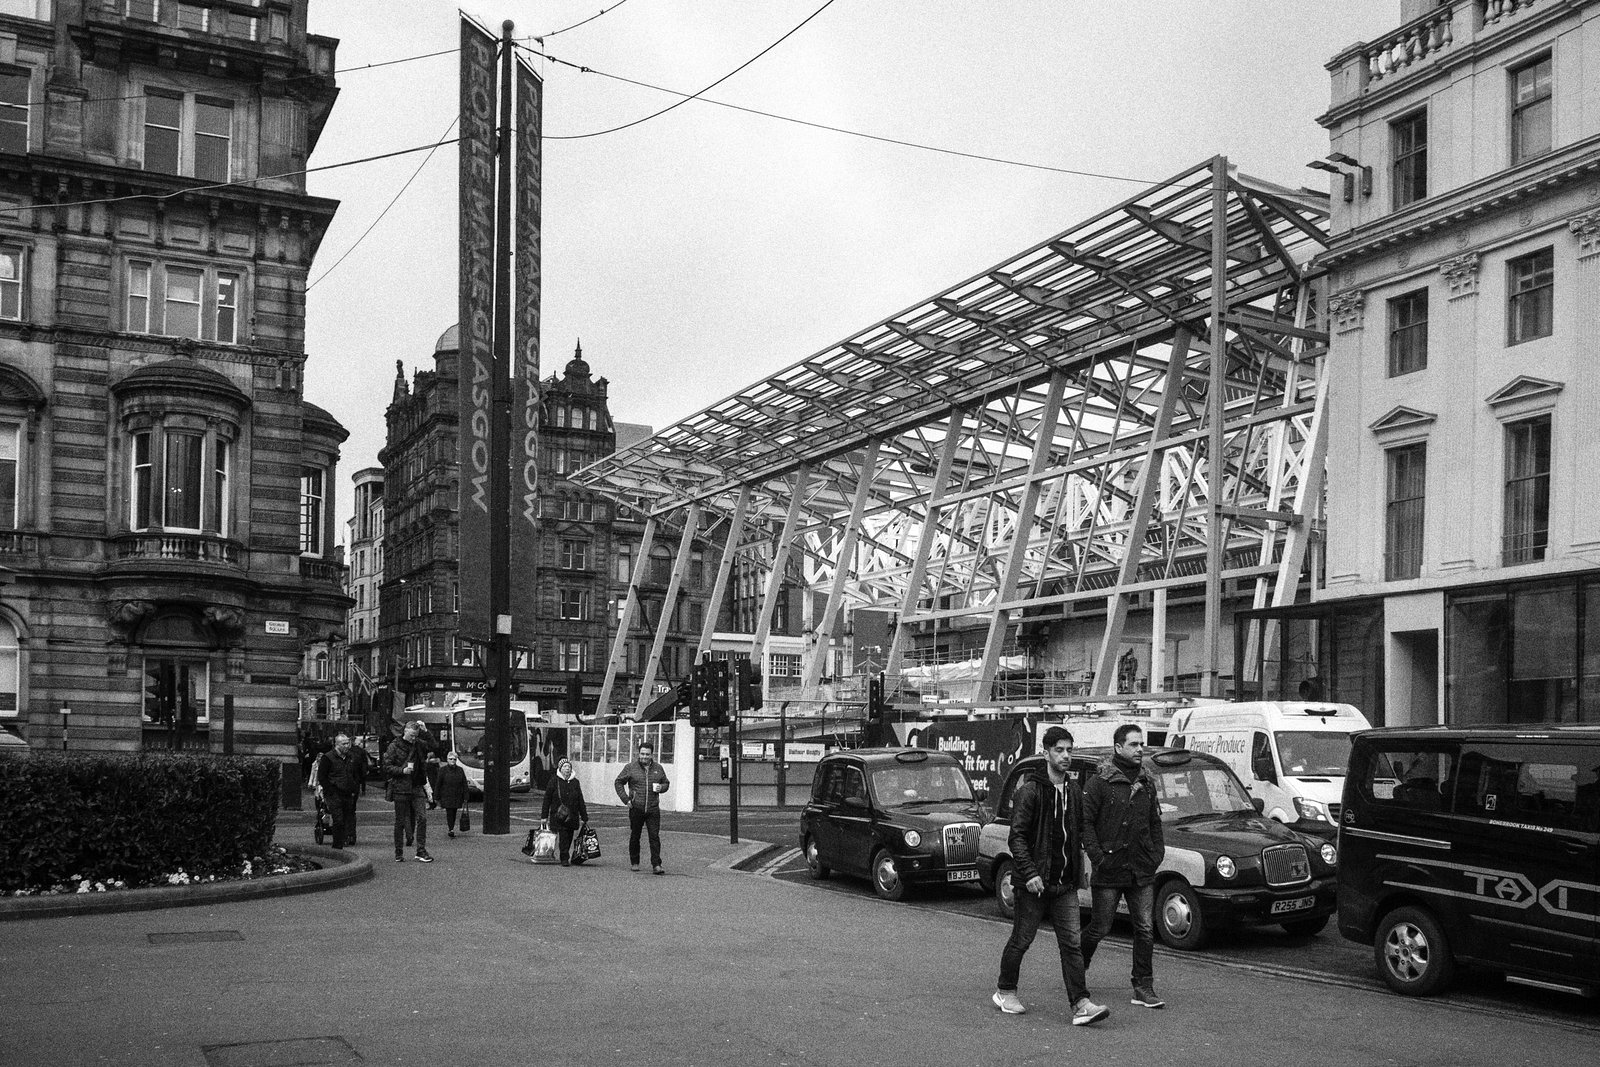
(131, 818)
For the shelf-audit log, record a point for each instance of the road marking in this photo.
(771, 867)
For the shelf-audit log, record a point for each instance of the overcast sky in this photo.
(705, 249)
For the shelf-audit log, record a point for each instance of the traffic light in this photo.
(719, 692)
(700, 694)
(749, 685)
(160, 691)
(875, 701)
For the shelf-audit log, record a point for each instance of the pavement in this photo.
(484, 959)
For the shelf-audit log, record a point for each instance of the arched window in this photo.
(10, 670)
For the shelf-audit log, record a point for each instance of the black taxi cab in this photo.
(898, 816)
(1226, 864)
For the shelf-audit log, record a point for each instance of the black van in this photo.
(1478, 845)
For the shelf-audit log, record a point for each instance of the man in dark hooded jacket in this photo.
(1122, 834)
(1046, 820)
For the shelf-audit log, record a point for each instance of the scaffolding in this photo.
(1054, 430)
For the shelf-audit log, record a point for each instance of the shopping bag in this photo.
(466, 819)
(544, 846)
(589, 845)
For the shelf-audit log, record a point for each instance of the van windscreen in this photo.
(1313, 753)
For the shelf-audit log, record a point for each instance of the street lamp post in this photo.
(65, 713)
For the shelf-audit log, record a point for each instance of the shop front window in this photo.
(1525, 653)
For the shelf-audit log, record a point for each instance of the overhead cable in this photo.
(396, 199)
(832, 129)
(541, 37)
(686, 99)
(43, 205)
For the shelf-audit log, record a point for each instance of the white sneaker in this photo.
(1087, 1011)
(1006, 1000)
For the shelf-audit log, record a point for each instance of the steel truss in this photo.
(1053, 430)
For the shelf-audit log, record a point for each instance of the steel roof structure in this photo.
(1053, 429)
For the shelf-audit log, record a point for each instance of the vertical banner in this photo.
(526, 397)
(475, 324)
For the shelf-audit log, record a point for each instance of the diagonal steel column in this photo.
(668, 606)
(619, 645)
(1216, 409)
(842, 569)
(1139, 523)
(1308, 495)
(925, 537)
(780, 560)
(724, 569)
(1023, 528)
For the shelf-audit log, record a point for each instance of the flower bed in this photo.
(276, 861)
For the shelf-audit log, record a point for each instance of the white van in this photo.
(1291, 754)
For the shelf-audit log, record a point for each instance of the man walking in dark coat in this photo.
(407, 775)
(1122, 834)
(338, 781)
(1046, 817)
(640, 786)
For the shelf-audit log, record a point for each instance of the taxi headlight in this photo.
(1330, 855)
(913, 839)
(1225, 866)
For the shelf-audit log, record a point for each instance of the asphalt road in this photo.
(481, 958)
(1326, 959)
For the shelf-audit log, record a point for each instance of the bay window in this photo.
(311, 510)
(178, 478)
(10, 456)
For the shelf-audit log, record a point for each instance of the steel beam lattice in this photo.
(927, 459)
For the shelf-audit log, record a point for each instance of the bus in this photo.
(459, 729)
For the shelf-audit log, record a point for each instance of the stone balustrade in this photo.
(1411, 44)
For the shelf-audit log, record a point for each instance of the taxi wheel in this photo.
(1005, 889)
(819, 870)
(1412, 953)
(886, 881)
(1305, 927)
(1177, 916)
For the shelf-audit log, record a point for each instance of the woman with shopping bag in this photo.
(565, 810)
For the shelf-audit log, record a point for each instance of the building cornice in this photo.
(1497, 192)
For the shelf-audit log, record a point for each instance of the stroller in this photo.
(322, 825)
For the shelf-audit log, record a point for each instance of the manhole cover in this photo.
(298, 1052)
(187, 937)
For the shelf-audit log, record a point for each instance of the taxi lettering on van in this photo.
(1561, 896)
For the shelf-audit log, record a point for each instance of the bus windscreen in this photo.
(469, 730)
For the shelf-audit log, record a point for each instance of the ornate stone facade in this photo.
(166, 491)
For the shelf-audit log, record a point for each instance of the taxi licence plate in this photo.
(1279, 907)
(961, 876)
